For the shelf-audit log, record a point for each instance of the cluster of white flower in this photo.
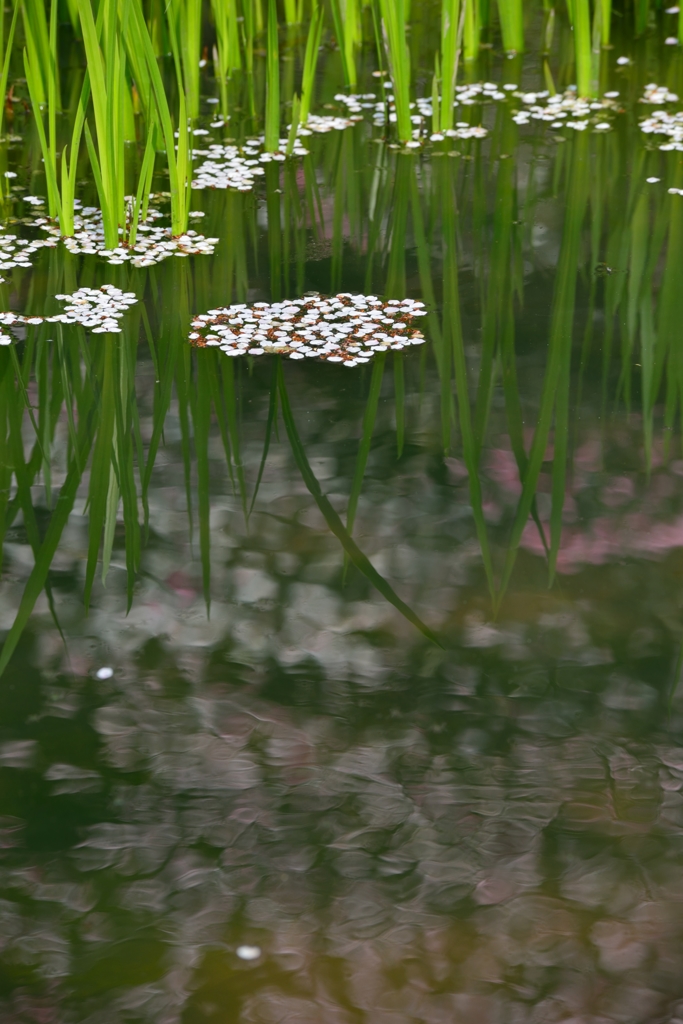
(17, 252)
(153, 244)
(661, 122)
(229, 166)
(321, 124)
(566, 110)
(346, 329)
(98, 309)
(423, 112)
(656, 94)
(356, 103)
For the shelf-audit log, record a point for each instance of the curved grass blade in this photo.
(272, 413)
(361, 561)
(46, 553)
(100, 472)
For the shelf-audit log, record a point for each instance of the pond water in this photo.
(350, 694)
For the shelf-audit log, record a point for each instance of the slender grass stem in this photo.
(272, 128)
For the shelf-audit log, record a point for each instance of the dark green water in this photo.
(485, 830)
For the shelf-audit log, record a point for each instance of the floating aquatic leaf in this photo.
(346, 329)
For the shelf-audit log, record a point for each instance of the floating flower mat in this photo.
(346, 328)
(98, 309)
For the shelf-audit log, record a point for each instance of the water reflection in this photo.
(483, 828)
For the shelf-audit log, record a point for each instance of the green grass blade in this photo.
(54, 203)
(270, 422)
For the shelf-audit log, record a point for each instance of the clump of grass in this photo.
(108, 83)
(107, 72)
(60, 204)
(37, 43)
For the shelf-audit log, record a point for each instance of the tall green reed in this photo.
(37, 44)
(185, 25)
(272, 119)
(452, 22)
(229, 56)
(602, 22)
(581, 24)
(179, 166)
(511, 15)
(60, 201)
(347, 17)
(294, 11)
(311, 60)
(394, 24)
(471, 29)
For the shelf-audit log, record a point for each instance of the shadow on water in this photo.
(341, 694)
